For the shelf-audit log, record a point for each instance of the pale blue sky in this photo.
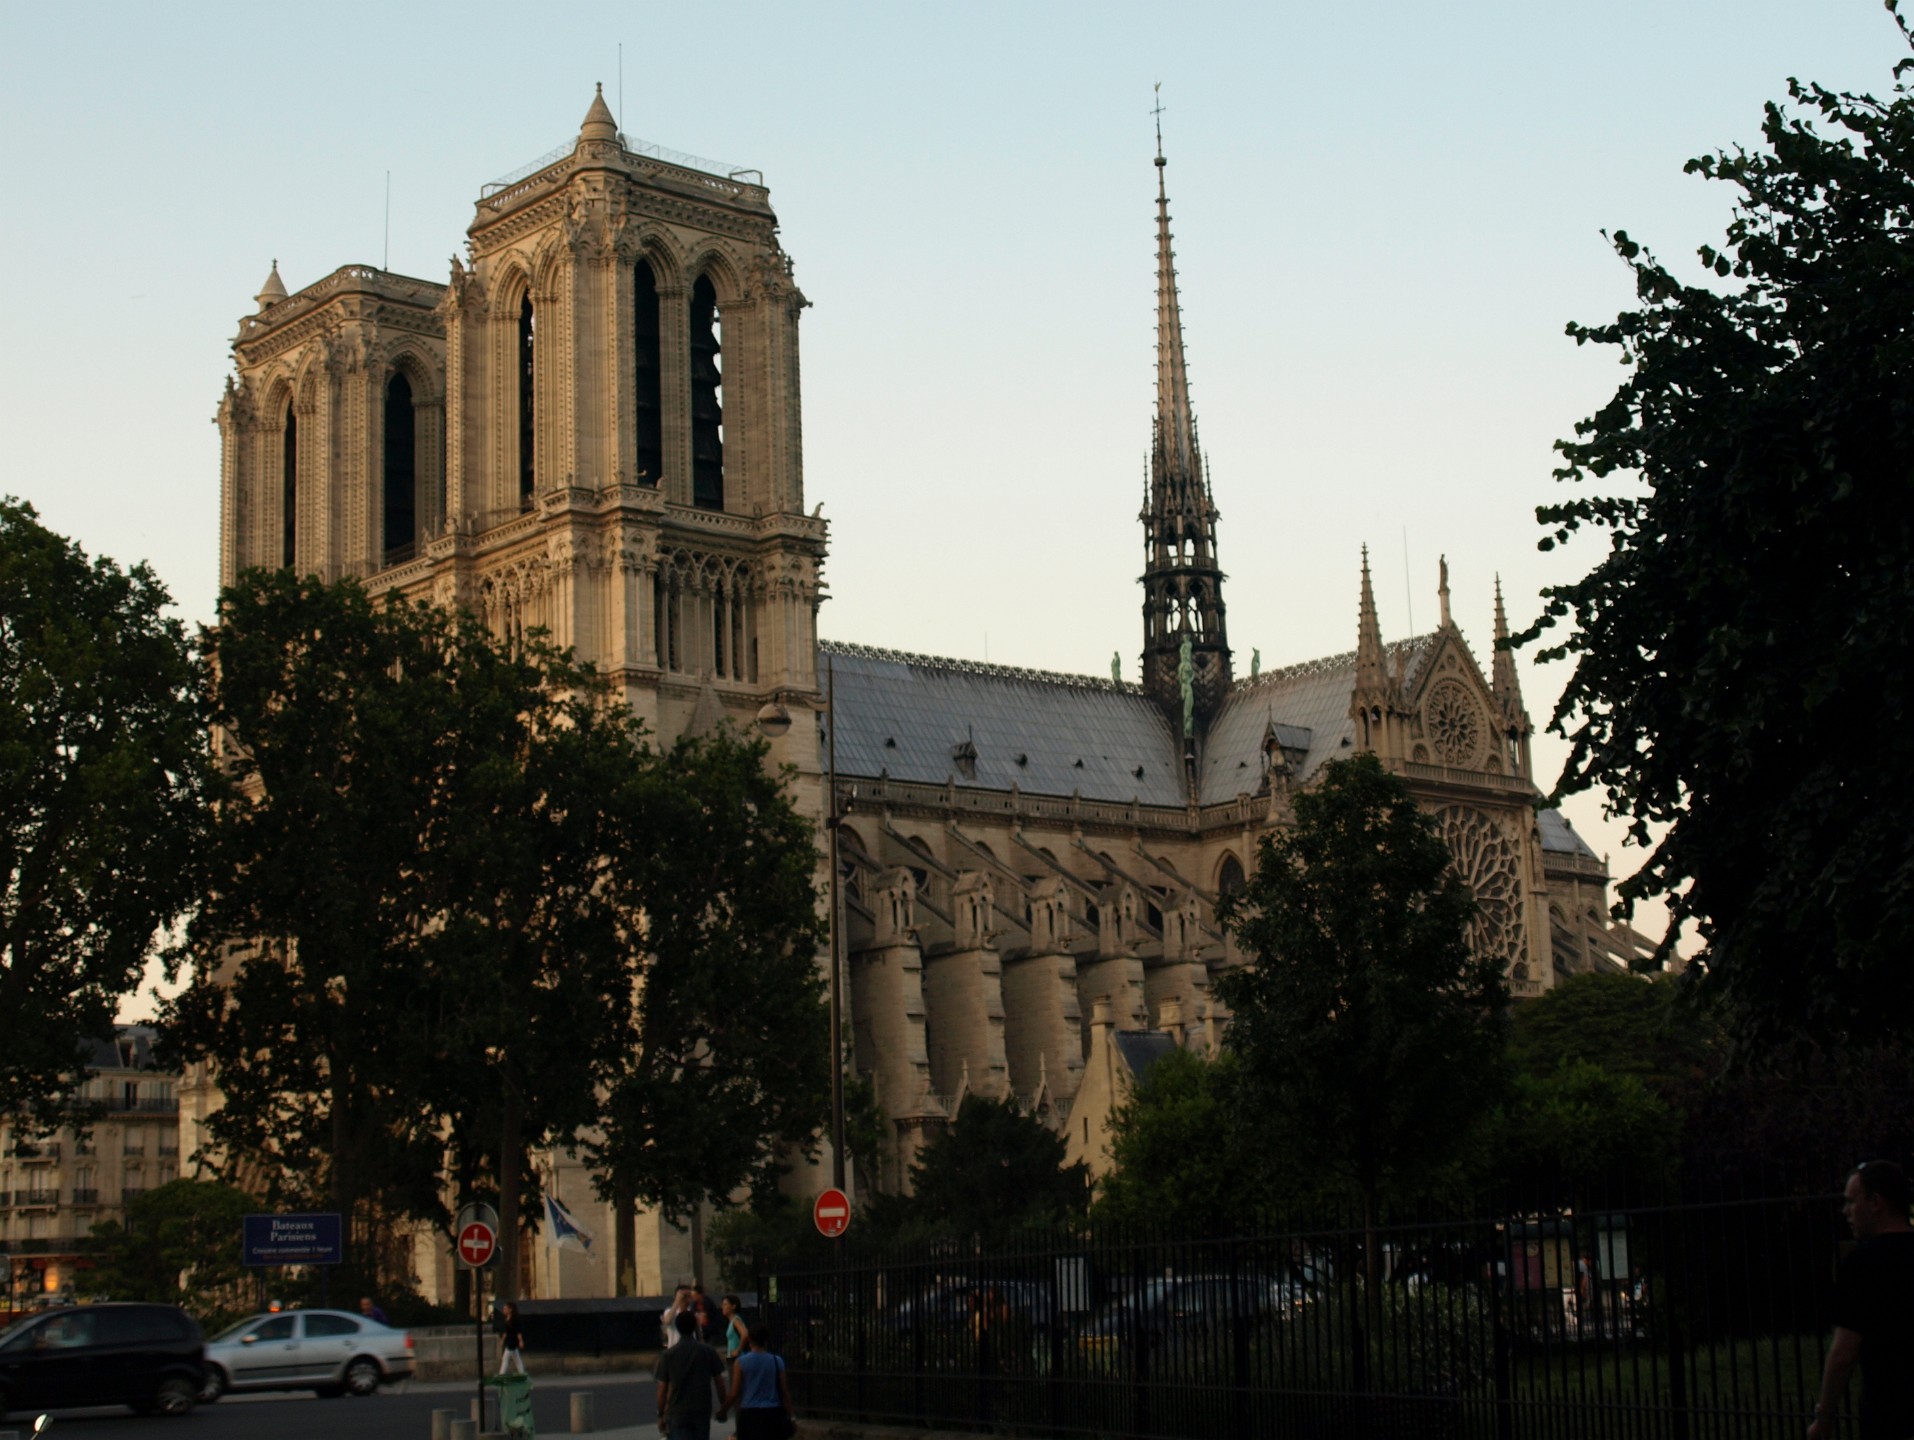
(1384, 214)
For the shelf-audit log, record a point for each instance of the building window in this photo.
(527, 335)
(289, 486)
(401, 470)
(707, 398)
(648, 375)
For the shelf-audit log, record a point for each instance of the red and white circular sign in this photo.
(476, 1242)
(832, 1213)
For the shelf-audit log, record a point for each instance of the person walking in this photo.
(759, 1391)
(668, 1317)
(690, 1384)
(511, 1341)
(1873, 1308)
(735, 1333)
(372, 1312)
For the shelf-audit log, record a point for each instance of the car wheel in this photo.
(362, 1377)
(214, 1387)
(175, 1395)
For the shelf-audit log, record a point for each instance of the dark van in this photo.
(146, 1356)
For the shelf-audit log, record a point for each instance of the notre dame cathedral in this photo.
(593, 426)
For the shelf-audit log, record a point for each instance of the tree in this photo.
(333, 713)
(1627, 1024)
(1177, 1130)
(724, 1065)
(1369, 1034)
(993, 1172)
(179, 1245)
(1743, 651)
(102, 758)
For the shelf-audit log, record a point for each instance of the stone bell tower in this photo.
(1182, 583)
(593, 428)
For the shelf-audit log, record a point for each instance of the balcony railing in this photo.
(36, 1197)
(168, 1147)
(47, 1153)
(150, 1105)
(132, 1148)
(86, 1197)
(130, 1193)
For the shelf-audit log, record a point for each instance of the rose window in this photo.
(1453, 722)
(1490, 865)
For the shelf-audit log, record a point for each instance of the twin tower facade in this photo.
(593, 426)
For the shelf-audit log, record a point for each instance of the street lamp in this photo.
(773, 721)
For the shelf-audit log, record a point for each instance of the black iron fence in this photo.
(1675, 1322)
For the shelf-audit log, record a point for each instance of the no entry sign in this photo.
(832, 1213)
(477, 1241)
(475, 1236)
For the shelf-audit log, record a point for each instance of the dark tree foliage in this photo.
(1627, 1024)
(724, 1064)
(102, 763)
(1370, 1038)
(466, 910)
(179, 1245)
(994, 1172)
(1183, 1159)
(1743, 652)
(308, 992)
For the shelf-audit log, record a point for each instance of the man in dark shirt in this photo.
(1874, 1308)
(690, 1384)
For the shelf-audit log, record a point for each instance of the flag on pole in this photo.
(562, 1228)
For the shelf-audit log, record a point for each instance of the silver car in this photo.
(328, 1351)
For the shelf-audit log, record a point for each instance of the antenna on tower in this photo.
(1157, 111)
(1408, 589)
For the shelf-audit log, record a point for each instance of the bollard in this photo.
(442, 1424)
(583, 1421)
(464, 1430)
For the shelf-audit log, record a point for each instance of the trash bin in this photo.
(514, 1404)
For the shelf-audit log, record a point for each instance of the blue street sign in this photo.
(293, 1240)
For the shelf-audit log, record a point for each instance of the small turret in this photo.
(599, 124)
(1512, 717)
(273, 291)
(1372, 703)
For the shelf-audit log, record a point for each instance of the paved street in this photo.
(624, 1403)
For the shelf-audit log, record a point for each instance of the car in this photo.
(331, 1352)
(145, 1356)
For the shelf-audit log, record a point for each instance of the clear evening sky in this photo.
(1384, 215)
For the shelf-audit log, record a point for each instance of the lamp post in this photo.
(773, 721)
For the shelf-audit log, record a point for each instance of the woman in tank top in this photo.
(759, 1392)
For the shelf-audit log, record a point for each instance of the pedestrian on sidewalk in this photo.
(668, 1317)
(690, 1384)
(511, 1341)
(736, 1335)
(372, 1312)
(1873, 1308)
(760, 1393)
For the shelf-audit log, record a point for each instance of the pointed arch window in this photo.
(648, 375)
(707, 398)
(1229, 880)
(289, 488)
(527, 336)
(401, 470)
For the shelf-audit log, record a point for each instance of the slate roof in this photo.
(1308, 703)
(1141, 1049)
(907, 717)
(1559, 836)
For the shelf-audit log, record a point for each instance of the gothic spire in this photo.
(1371, 669)
(598, 123)
(1513, 721)
(1182, 583)
(1175, 420)
(1504, 684)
